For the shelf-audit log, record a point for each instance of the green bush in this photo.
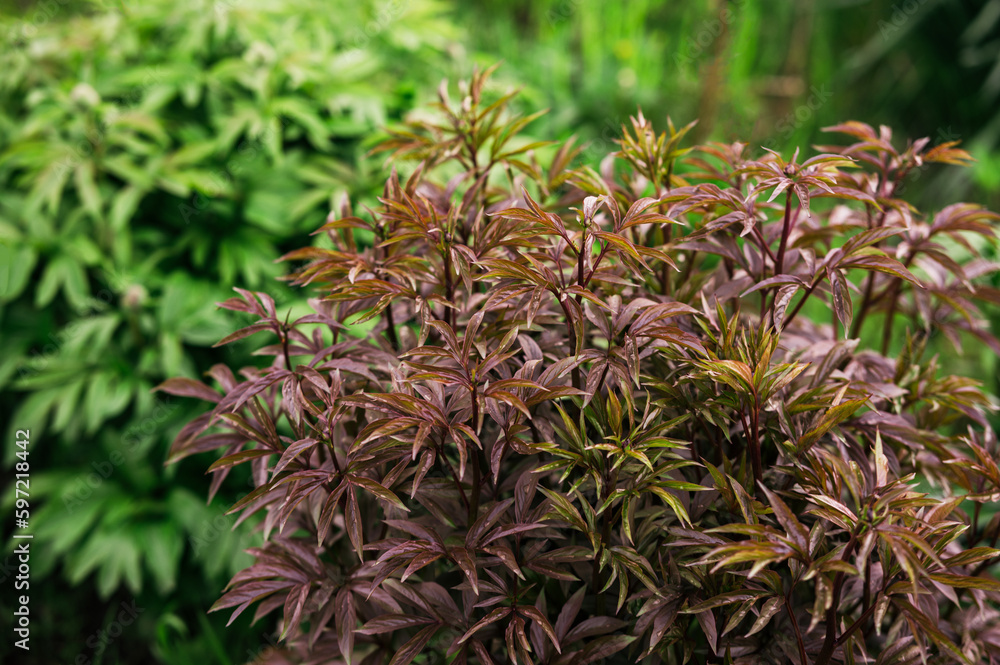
(634, 415)
(152, 154)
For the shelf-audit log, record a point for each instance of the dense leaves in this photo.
(152, 155)
(594, 422)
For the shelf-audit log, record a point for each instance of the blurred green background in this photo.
(155, 154)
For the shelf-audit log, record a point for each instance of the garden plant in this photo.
(152, 155)
(676, 409)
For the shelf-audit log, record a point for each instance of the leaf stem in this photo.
(893, 296)
(593, 269)
(830, 641)
(454, 475)
(764, 248)
(795, 625)
(750, 431)
(284, 348)
(390, 325)
(786, 229)
(665, 268)
(571, 333)
(477, 480)
(755, 458)
(449, 288)
(870, 282)
(475, 410)
(689, 267)
(846, 635)
(605, 538)
(798, 306)
(866, 301)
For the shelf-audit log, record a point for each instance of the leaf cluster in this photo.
(596, 420)
(151, 155)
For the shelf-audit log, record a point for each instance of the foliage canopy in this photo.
(593, 419)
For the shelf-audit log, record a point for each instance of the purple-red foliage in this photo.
(598, 421)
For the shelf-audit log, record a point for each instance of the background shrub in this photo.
(591, 422)
(153, 155)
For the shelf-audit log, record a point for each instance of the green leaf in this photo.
(833, 417)
(163, 546)
(928, 627)
(123, 207)
(726, 598)
(16, 265)
(673, 502)
(86, 187)
(52, 278)
(564, 509)
(107, 396)
(966, 582)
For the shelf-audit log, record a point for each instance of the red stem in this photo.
(577, 381)
(755, 459)
(830, 641)
(795, 626)
(786, 229)
(390, 326)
